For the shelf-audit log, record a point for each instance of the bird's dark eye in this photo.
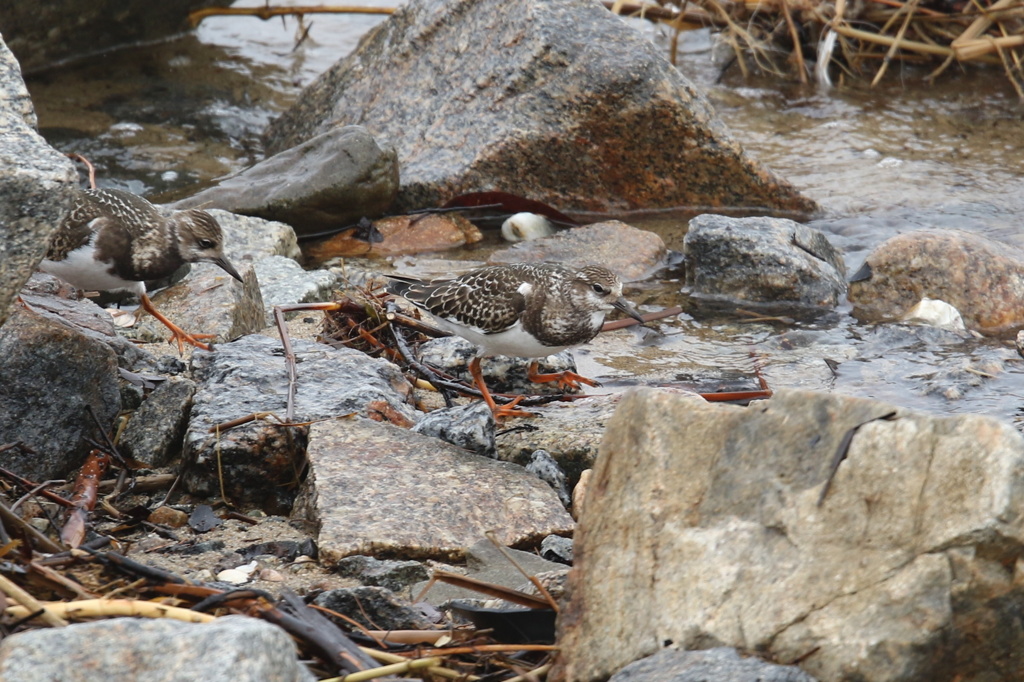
(599, 289)
(206, 243)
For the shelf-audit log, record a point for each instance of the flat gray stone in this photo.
(374, 488)
(250, 239)
(486, 562)
(326, 182)
(207, 301)
(230, 649)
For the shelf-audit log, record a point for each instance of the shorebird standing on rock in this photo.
(520, 310)
(115, 241)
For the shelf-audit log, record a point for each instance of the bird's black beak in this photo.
(227, 267)
(627, 307)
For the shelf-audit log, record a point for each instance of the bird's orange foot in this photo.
(509, 410)
(182, 337)
(177, 333)
(566, 381)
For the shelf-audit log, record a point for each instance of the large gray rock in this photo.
(711, 665)
(52, 372)
(42, 34)
(36, 182)
(327, 182)
(259, 462)
(981, 278)
(556, 100)
(230, 649)
(377, 489)
(701, 526)
(762, 260)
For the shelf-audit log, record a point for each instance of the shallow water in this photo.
(164, 120)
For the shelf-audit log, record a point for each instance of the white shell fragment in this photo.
(936, 313)
(526, 226)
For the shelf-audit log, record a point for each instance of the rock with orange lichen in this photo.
(981, 278)
(401, 235)
(561, 102)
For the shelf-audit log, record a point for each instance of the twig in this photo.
(42, 542)
(29, 604)
(267, 12)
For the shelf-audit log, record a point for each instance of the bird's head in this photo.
(599, 289)
(201, 240)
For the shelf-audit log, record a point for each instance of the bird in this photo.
(520, 310)
(113, 240)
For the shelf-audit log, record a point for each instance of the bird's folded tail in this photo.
(399, 285)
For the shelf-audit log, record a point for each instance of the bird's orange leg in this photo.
(566, 380)
(506, 410)
(179, 334)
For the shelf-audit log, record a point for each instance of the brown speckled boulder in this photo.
(556, 100)
(981, 278)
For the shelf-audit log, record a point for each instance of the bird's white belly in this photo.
(513, 342)
(80, 270)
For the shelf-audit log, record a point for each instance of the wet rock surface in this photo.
(36, 182)
(913, 537)
(376, 608)
(329, 181)
(261, 461)
(502, 374)
(570, 433)
(630, 253)
(233, 648)
(762, 260)
(592, 119)
(358, 492)
(721, 664)
(468, 426)
(980, 277)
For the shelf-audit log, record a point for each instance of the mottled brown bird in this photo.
(520, 310)
(114, 241)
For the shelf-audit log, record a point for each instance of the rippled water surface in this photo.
(166, 119)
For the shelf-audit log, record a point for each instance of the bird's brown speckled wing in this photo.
(95, 209)
(462, 299)
(75, 230)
